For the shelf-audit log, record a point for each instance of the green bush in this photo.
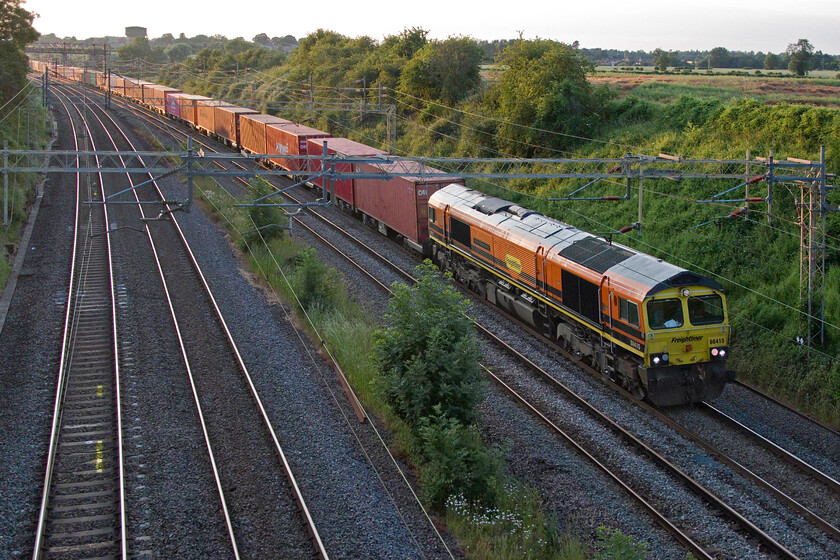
(267, 222)
(615, 545)
(314, 282)
(456, 463)
(429, 353)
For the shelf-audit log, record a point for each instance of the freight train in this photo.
(660, 331)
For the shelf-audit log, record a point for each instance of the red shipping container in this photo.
(401, 203)
(155, 95)
(189, 106)
(252, 131)
(228, 122)
(173, 104)
(206, 114)
(290, 139)
(343, 188)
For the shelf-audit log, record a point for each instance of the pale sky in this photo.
(743, 25)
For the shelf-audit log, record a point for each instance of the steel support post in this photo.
(311, 102)
(641, 190)
(188, 202)
(5, 182)
(821, 240)
(770, 188)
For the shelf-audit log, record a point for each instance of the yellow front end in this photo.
(687, 343)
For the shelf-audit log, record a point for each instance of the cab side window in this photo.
(628, 312)
(432, 217)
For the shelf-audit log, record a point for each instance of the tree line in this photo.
(799, 57)
(16, 32)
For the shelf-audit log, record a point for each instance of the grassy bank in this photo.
(23, 125)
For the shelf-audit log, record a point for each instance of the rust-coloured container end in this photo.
(290, 139)
(401, 203)
(252, 131)
(228, 123)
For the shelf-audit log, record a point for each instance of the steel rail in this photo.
(65, 340)
(182, 345)
(310, 523)
(834, 430)
(65, 361)
(776, 449)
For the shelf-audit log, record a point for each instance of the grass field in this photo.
(665, 88)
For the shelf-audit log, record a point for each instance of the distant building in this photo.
(134, 32)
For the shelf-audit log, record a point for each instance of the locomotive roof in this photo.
(585, 249)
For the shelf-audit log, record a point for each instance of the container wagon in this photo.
(343, 188)
(398, 207)
(228, 123)
(252, 131)
(290, 139)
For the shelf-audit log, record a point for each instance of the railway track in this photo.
(256, 486)
(82, 510)
(769, 543)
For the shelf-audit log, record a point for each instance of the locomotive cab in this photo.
(686, 346)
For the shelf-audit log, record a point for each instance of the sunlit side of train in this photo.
(657, 329)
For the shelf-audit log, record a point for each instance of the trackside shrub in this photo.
(456, 463)
(429, 353)
(314, 282)
(268, 222)
(615, 545)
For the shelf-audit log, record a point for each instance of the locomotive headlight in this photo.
(659, 359)
(718, 353)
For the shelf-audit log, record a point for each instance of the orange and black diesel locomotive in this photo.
(657, 329)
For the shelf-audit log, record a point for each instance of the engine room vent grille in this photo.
(595, 254)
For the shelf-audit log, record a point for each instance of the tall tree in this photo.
(771, 61)
(719, 58)
(446, 71)
(661, 60)
(544, 97)
(16, 23)
(800, 56)
(262, 39)
(142, 49)
(16, 32)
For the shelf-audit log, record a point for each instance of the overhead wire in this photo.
(537, 129)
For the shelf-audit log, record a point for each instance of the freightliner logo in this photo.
(682, 339)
